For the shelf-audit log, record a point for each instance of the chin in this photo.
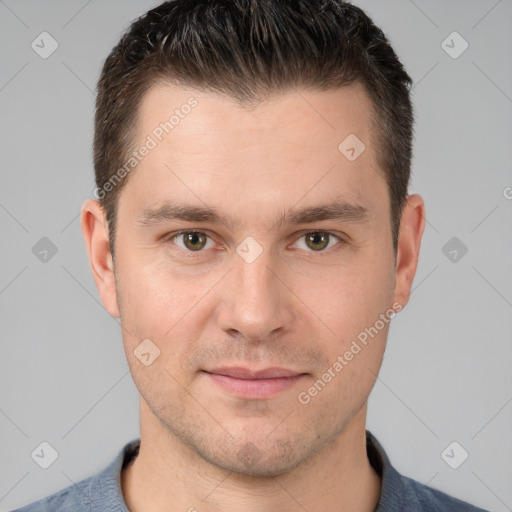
(258, 458)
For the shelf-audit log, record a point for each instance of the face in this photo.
(261, 313)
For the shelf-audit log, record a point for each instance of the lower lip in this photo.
(255, 388)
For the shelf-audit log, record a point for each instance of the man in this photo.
(255, 236)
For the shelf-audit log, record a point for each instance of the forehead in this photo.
(297, 143)
(320, 119)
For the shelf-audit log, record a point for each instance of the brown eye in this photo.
(317, 241)
(193, 241)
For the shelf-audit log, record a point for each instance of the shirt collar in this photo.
(392, 486)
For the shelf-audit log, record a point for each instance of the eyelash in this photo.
(192, 254)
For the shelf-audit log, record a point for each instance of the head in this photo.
(279, 135)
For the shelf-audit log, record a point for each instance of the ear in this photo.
(95, 232)
(411, 230)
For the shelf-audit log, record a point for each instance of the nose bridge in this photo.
(256, 278)
(255, 304)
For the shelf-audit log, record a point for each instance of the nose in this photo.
(256, 303)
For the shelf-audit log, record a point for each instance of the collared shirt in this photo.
(102, 492)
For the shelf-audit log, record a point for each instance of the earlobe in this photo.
(95, 233)
(409, 241)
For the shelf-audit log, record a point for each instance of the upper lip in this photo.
(239, 372)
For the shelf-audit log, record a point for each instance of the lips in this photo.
(247, 374)
(248, 384)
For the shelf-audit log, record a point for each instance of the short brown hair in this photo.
(249, 49)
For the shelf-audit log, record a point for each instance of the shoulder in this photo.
(401, 493)
(101, 491)
(427, 499)
(73, 498)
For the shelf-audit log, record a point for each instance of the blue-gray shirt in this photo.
(102, 492)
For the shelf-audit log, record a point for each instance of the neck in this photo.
(167, 475)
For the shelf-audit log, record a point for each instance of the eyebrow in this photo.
(339, 210)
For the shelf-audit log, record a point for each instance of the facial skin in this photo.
(292, 307)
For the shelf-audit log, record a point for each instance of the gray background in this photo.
(446, 374)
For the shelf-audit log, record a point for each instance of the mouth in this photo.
(254, 384)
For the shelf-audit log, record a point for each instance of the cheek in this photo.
(349, 297)
(157, 307)
(154, 298)
(170, 310)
